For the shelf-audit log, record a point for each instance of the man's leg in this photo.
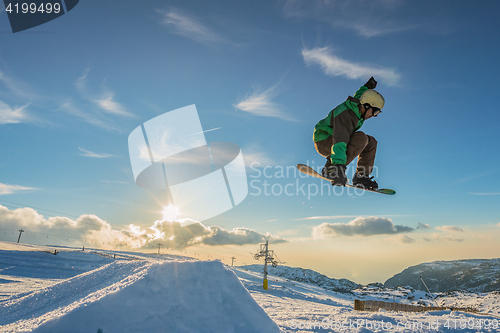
(324, 147)
(364, 146)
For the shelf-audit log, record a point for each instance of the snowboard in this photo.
(311, 172)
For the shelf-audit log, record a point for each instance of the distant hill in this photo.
(475, 275)
(307, 276)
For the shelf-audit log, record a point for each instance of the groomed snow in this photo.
(302, 307)
(88, 291)
(127, 296)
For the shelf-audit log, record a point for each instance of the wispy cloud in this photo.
(70, 108)
(335, 66)
(16, 92)
(360, 226)
(423, 226)
(88, 153)
(402, 239)
(104, 100)
(470, 176)
(81, 82)
(255, 157)
(372, 30)
(367, 18)
(439, 238)
(449, 228)
(10, 115)
(261, 104)
(109, 105)
(18, 88)
(190, 27)
(10, 189)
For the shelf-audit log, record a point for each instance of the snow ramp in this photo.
(171, 297)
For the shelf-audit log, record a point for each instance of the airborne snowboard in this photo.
(311, 172)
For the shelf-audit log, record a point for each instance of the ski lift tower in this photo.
(268, 258)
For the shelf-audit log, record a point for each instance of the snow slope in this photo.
(172, 297)
(307, 276)
(150, 295)
(302, 307)
(161, 293)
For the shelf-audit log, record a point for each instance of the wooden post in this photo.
(20, 232)
(359, 305)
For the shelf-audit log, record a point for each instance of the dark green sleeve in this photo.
(360, 91)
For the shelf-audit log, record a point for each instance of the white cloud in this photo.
(70, 108)
(18, 88)
(369, 226)
(190, 27)
(402, 239)
(107, 103)
(367, 18)
(88, 153)
(81, 82)
(261, 104)
(370, 30)
(439, 238)
(10, 115)
(104, 100)
(10, 189)
(449, 228)
(335, 66)
(94, 231)
(423, 226)
(22, 93)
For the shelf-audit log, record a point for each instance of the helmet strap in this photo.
(366, 106)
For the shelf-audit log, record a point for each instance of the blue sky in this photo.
(264, 72)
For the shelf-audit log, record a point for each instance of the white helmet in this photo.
(373, 98)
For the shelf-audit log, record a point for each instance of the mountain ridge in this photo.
(474, 275)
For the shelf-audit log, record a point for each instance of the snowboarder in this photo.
(337, 137)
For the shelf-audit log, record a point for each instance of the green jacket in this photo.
(340, 123)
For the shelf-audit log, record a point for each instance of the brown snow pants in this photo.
(360, 144)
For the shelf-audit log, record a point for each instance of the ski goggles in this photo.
(376, 111)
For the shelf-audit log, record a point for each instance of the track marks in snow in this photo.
(61, 298)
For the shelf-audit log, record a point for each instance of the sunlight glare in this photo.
(170, 213)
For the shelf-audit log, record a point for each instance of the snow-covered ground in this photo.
(77, 291)
(301, 307)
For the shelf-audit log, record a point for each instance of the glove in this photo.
(371, 84)
(337, 175)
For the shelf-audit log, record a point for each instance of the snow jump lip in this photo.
(172, 297)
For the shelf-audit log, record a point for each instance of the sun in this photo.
(170, 213)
